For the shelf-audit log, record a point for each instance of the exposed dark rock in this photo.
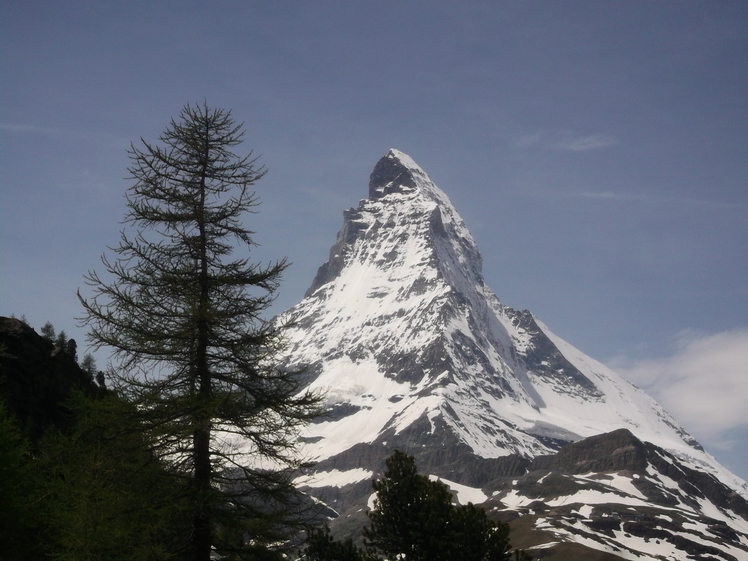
(37, 379)
(698, 550)
(604, 525)
(436, 452)
(544, 359)
(389, 176)
(697, 483)
(645, 529)
(352, 226)
(721, 530)
(547, 479)
(614, 451)
(552, 486)
(338, 411)
(412, 367)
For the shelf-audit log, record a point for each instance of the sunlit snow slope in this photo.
(403, 335)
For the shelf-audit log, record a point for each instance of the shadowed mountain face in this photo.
(415, 352)
(616, 494)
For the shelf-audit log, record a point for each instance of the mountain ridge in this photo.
(404, 262)
(415, 352)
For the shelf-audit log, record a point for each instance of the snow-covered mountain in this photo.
(415, 352)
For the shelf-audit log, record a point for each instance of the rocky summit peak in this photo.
(400, 221)
(414, 352)
(395, 172)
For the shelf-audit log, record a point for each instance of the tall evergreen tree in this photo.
(71, 348)
(414, 519)
(61, 340)
(411, 513)
(190, 346)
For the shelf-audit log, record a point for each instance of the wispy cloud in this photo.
(584, 143)
(13, 127)
(703, 383)
(534, 139)
(565, 140)
(652, 199)
(48, 131)
(612, 196)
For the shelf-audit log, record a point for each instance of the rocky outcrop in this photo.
(414, 352)
(610, 490)
(37, 379)
(390, 176)
(614, 451)
(543, 358)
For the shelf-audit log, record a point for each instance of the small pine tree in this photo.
(88, 365)
(71, 348)
(62, 340)
(48, 332)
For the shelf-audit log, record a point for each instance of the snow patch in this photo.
(334, 478)
(463, 493)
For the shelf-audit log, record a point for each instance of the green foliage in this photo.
(48, 332)
(105, 496)
(61, 340)
(88, 365)
(473, 536)
(190, 348)
(92, 491)
(414, 520)
(17, 524)
(411, 513)
(71, 348)
(320, 546)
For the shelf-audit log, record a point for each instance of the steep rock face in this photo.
(615, 451)
(401, 331)
(416, 353)
(614, 493)
(609, 496)
(36, 379)
(390, 175)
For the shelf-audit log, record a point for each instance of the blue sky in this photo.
(598, 152)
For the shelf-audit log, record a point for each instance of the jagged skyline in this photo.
(596, 152)
(399, 327)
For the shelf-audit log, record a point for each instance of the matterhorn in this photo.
(414, 352)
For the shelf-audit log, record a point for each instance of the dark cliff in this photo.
(37, 379)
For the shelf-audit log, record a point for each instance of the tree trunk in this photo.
(202, 529)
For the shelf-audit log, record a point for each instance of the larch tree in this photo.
(190, 347)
